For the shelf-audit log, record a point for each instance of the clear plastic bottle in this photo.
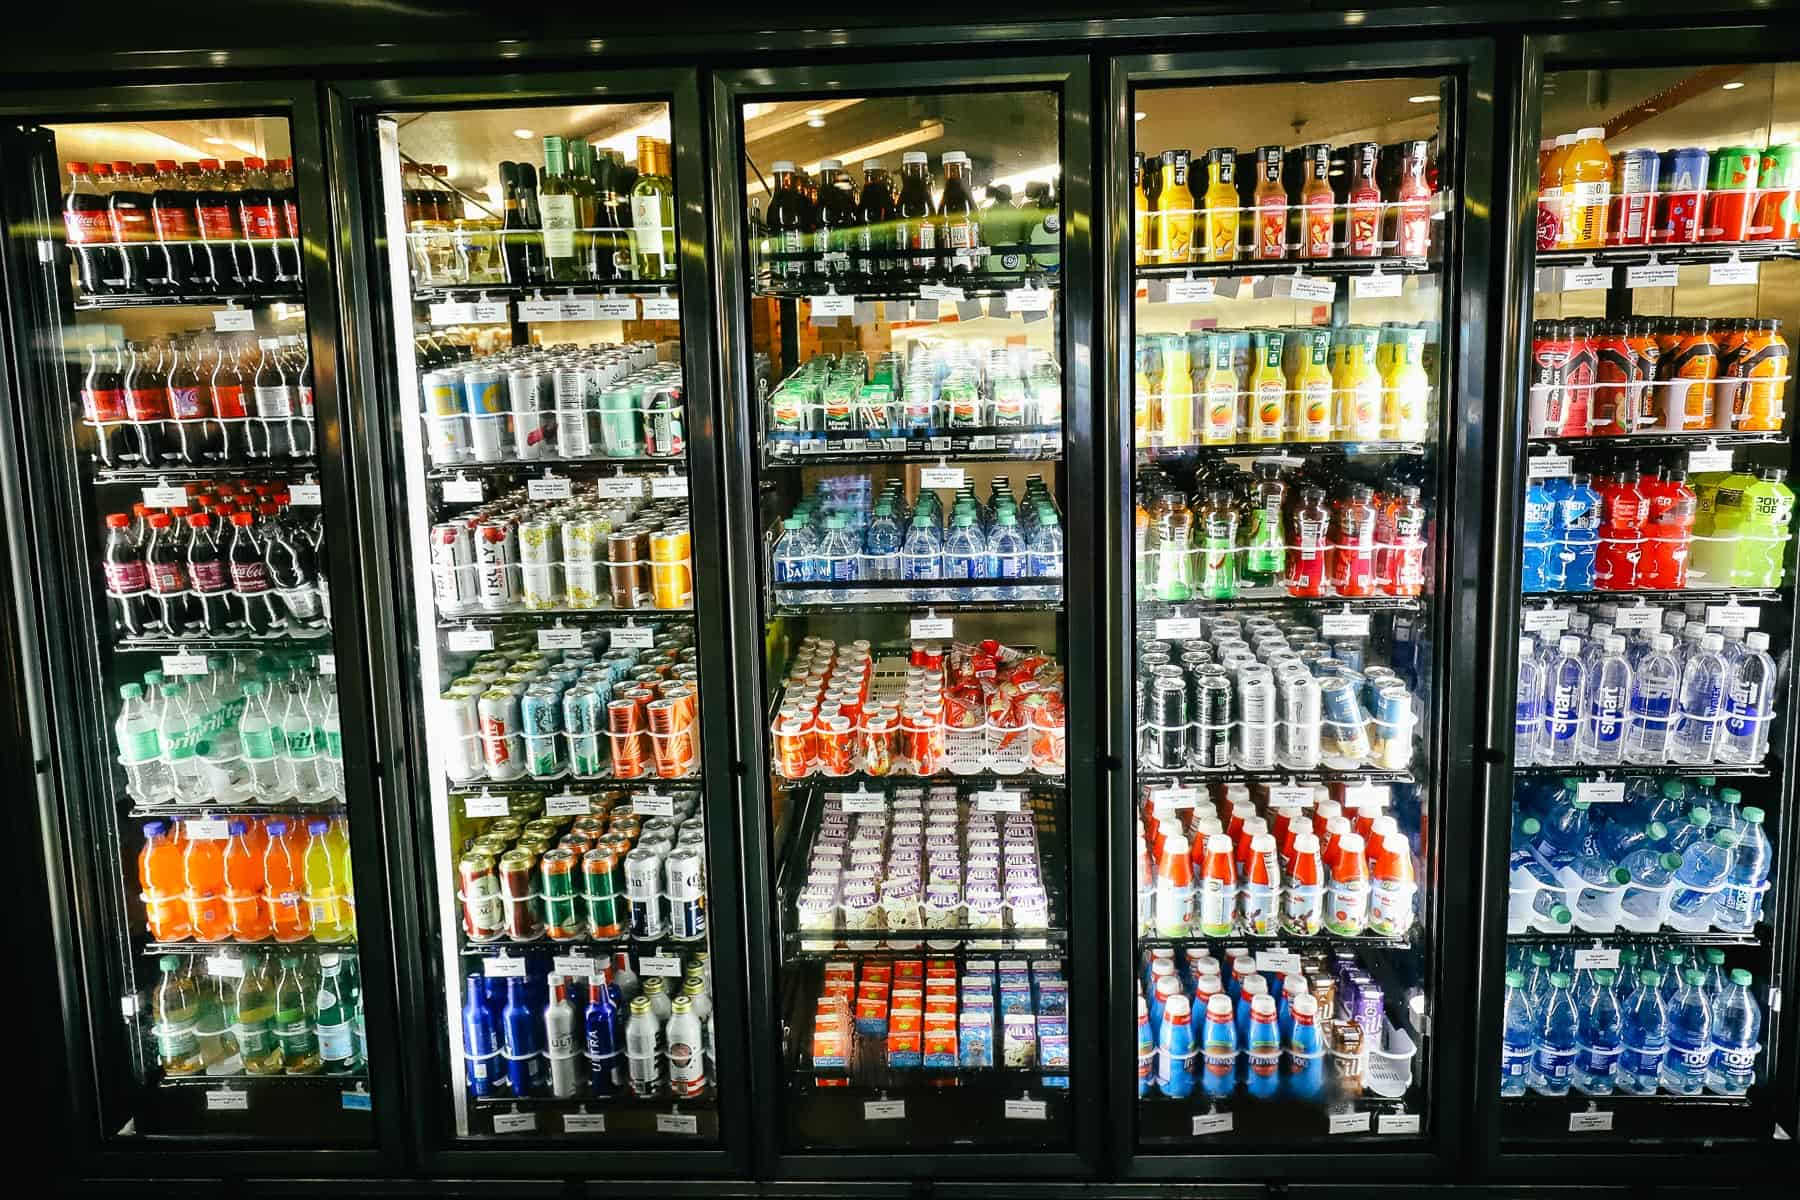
(1699, 878)
(1527, 705)
(1697, 726)
(796, 554)
(1006, 550)
(178, 735)
(1601, 741)
(1602, 1039)
(1749, 703)
(1738, 904)
(922, 553)
(1565, 699)
(1045, 545)
(1736, 1034)
(1690, 1038)
(1654, 684)
(1518, 1037)
(966, 553)
(881, 559)
(1558, 1029)
(839, 553)
(331, 747)
(258, 738)
(300, 747)
(1646, 1038)
(148, 779)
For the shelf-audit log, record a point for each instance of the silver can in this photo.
(1256, 718)
(1300, 748)
(569, 390)
(496, 565)
(441, 394)
(685, 888)
(457, 727)
(453, 568)
(540, 563)
(531, 431)
(582, 541)
(501, 753)
(643, 893)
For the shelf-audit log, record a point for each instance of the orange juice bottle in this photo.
(159, 870)
(1177, 208)
(1140, 205)
(1764, 366)
(244, 884)
(1550, 197)
(1221, 205)
(203, 871)
(283, 885)
(1587, 176)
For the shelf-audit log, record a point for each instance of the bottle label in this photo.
(126, 578)
(131, 223)
(138, 746)
(306, 400)
(647, 225)
(103, 404)
(147, 404)
(687, 1070)
(1598, 1060)
(166, 578)
(1552, 1063)
(558, 217)
(274, 402)
(254, 1039)
(249, 578)
(1742, 708)
(259, 744)
(228, 401)
(302, 602)
(1642, 1060)
(1691, 1059)
(208, 576)
(1513, 1061)
(86, 226)
(1736, 1063)
(296, 1037)
(259, 221)
(216, 223)
(187, 403)
(175, 1041)
(335, 1042)
(173, 224)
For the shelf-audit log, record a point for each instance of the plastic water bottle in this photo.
(1674, 968)
(966, 553)
(1541, 548)
(1690, 1038)
(922, 554)
(147, 777)
(1749, 704)
(258, 739)
(1653, 689)
(1601, 742)
(1527, 706)
(178, 736)
(1646, 1037)
(1044, 547)
(1624, 834)
(1698, 879)
(1518, 1038)
(1602, 1039)
(1558, 1030)
(1565, 827)
(1697, 724)
(1565, 698)
(1726, 813)
(1712, 974)
(1738, 904)
(796, 554)
(882, 544)
(1736, 1031)
(1650, 871)
(842, 557)
(1007, 551)
(1692, 826)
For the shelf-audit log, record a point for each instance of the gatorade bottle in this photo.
(244, 906)
(203, 874)
(1623, 510)
(284, 885)
(1762, 364)
(160, 873)
(1690, 369)
(322, 894)
(1767, 512)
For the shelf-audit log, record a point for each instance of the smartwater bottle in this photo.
(1702, 704)
(1565, 695)
(1527, 705)
(1601, 740)
(1749, 703)
(1653, 691)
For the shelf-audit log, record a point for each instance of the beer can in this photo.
(568, 391)
(1393, 727)
(1166, 719)
(664, 436)
(1212, 710)
(624, 731)
(620, 421)
(540, 720)
(603, 892)
(684, 885)
(484, 914)
(625, 568)
(540, 563)
(531, 432)
(486, 405)
(1300, 702)
(581, 724)
(671, 568)
(562, 908)
(444, 414)
(580, 553)
(643, 893)
(518, 892)
(453, 567)
(458, 729)
(1256, 719)
(496, 565)
(499, 710)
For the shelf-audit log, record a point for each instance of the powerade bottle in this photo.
(1578, 525)
(1553, 1057)
(481, 1042)
(1602, 1039)
(1518, 1038)
(1646, 1038)
(1540, 563)
(1736, 1031)
(1690, 1038)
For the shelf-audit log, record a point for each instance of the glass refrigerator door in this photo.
(205, 683)
(543, 435)
(1643, 945)
(1289, 403)
(903, 258)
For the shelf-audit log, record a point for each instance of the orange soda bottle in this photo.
(159, 871)
(284, 885)
(244, 883)
(203, 872)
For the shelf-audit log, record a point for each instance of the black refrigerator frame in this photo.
(352, 107)
(1467, 129)
(1646, 46)
(72, 771)
(1069, 77)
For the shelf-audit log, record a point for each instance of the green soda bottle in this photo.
(1768, 510)
(294, 1020)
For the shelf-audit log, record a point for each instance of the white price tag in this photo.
(1596, 958)
(666, 965)
(170, 496)
(1024, 300)
(1284, 795)
(567, 804)
(677, 1123)
(516, 1122)
(1178, 629)
(933, 627)
(1545, 620)
(1212, 1123)
(206, 829)
(485, 806)
(1175, 797)
(451, 312)
(1026, 1110)
(503, 966)
(669, 487)
(575, 966)
(305, 493)
(616, 308)
(1307, 287)
(227, 1100)
(1376, 287)
(884, 1110)
(1726, 273)
(833, 306)
(233, 320)
(620, 487)
(559, 639)
(328, 664)
(1586, 279)
(1599, 792)
(554, 487)
(1352, 1122)
(184, 664)
(1644, 617)
(467, 641)
(632, 637)
(860, 802)
(1549, 466)
(938, 291)
(490, 312)
(1590, 1122)
(1708, 460)
(584, 1122)
(462, 490)
(1653, 275)
(225, 967)
(539, 310)
(652, 805)
(581, 308)
(1334, 625)
(1733, 616)
(1190, 291)
(997, 802)
(1397, 1123)
(662, 308)
(941, 477)
(1279, 962)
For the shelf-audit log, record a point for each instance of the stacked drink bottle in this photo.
(936, 386)
(620, 869)
(258, 1015)
(622, 703)
(1310, 1027)
(1664, 1020)
(248, 879)
(1686, 855)
(1645, 685)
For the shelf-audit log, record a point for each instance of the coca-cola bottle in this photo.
(88, 226)
(250, 579)
(200, 277)
(287, 213)
(103, 405)
(133, 227)
(228, 384)
(302, 435)
(191, 407)
(172, 212)
(274, 398)
(257, 208)
(166, 559)
(220, 232)
(314, 532)
(220, 611)
(289, 554)
(146, 404)
(127, 583)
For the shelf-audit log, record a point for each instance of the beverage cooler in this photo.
(529, 252)
(1295, 436)
(170, 312)
(1641, 802)
(901, 296)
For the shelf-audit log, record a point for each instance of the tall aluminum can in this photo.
(540, 563)
(453, 568)
(496, 563)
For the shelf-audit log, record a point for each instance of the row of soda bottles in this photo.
(236, 559)
(1312, 1027)
(604, 1031)
(1598, 696)
(1310, 532)
(1657, 375)
(250, 729)
(1588, 198)
(224, 1017)
(938, 384)
(837, 536)
(1612, 529)
(1673, 1026)
(1268, 869)
(1303, 383)
(246, 878)
(1685, 855)
(198, 399)
(200, 227)
(563, 401)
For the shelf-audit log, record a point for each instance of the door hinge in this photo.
(46, 252)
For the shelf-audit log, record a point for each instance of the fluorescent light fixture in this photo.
(771, 119)
(1422, 99)
(1734, 85)
(524, 135)
(1017, 180)
(214, 141)
(815, 122)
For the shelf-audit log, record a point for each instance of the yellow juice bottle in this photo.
(1177, 208)
(1314, 386)
(1221, 205)
(1219, 404)
(323, 901)
(337, 842)
(1267, 386)
(1405, 386)
(1360, 387)
(253, 1023)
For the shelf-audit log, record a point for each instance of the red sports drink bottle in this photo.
(1623, 509)
(1353, 544)
(1668, 529)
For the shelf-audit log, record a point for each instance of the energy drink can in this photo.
(1256, 719)
(1166, 719)
(1680, 187)
(1300, 701)
(603, 892)
(1212, 712)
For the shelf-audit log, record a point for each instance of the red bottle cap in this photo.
(199, 520)
(117, 520)
(242, 518)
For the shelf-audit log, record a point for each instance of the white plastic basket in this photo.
(1389, 1071)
